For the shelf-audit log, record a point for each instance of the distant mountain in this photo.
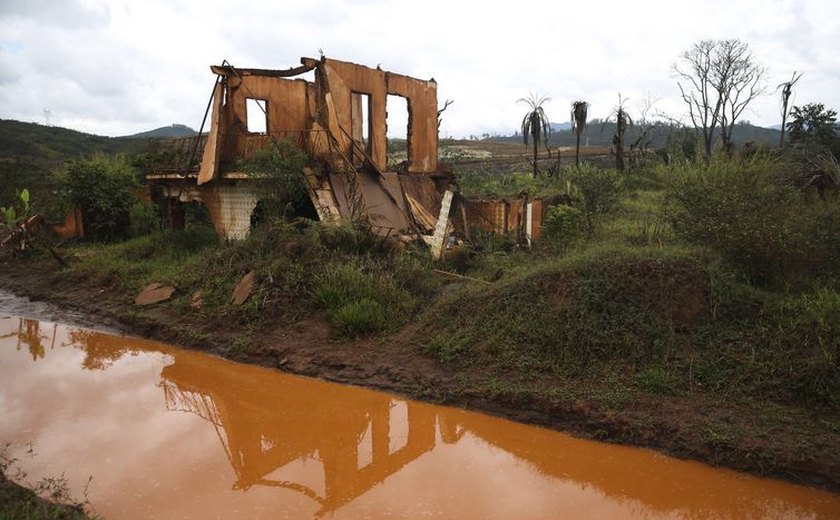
(775, 127)
(165, 132)
(558, 127)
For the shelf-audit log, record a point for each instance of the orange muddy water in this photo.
(171, 433)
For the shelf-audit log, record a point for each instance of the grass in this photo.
(357, 279)
(49, 498)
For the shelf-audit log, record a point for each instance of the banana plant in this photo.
(14, 218)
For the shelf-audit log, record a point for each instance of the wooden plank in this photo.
(210, 160)
(442, 226)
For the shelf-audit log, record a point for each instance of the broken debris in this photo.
(154, 293)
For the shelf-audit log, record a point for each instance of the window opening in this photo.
(256, 114)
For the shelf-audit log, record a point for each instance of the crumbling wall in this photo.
(422, 120)
(340, 121)
(342, 80)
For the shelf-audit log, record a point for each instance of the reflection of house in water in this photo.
(349, 440)
(359, 437)
(29, 333)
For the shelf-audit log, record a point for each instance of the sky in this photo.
(117, 67)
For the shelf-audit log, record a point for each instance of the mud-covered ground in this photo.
(719, 431)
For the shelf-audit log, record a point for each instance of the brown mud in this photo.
(711, 429)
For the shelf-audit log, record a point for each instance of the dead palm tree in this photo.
(787, 90)
(535, 124)
(579, 110)
(621, 119)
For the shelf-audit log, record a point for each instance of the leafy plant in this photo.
(813, 125)
(563, 225)
(15, 215)
(105, 188)
(622, 119)
(361, 317)
(599, 191)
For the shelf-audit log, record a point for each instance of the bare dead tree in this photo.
(787, 90)
(440, 112)
(740, 80)
(717, 80)
(644, 129)
(579, 112)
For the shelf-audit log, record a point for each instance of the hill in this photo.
(165, 132)
(598, 133)
(29, 152)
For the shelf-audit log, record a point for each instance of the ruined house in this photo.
(339, 120)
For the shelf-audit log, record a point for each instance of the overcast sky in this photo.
(117, 67)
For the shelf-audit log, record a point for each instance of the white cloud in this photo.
(118, 67)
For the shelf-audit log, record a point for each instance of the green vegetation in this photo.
(280, 184)
(815, 127)
(30, 152)
(359, 280)
(106, 189)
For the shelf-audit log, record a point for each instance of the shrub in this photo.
(361, 296)
(361, 317)
(143, 220)
(562, 225)
(807, 335)
(599, 191)
(105, 189)
(741, 209)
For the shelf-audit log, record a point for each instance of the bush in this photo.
(598, 189)
(105, 189)
(562, 225)
(740, 208)
(361, 296)
(361, 317)
(143, 220)
(807, 335)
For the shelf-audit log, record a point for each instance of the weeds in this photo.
(47, 499)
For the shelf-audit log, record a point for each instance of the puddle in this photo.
(169, 433)
(14, 305)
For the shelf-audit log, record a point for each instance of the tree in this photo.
(535, 125)
(579, 110)
(718, 79)
(787, 90)
(813, 124)
(621, 119)
(645, 131)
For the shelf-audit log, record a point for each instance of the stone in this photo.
(243, 289)
(154, 293)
